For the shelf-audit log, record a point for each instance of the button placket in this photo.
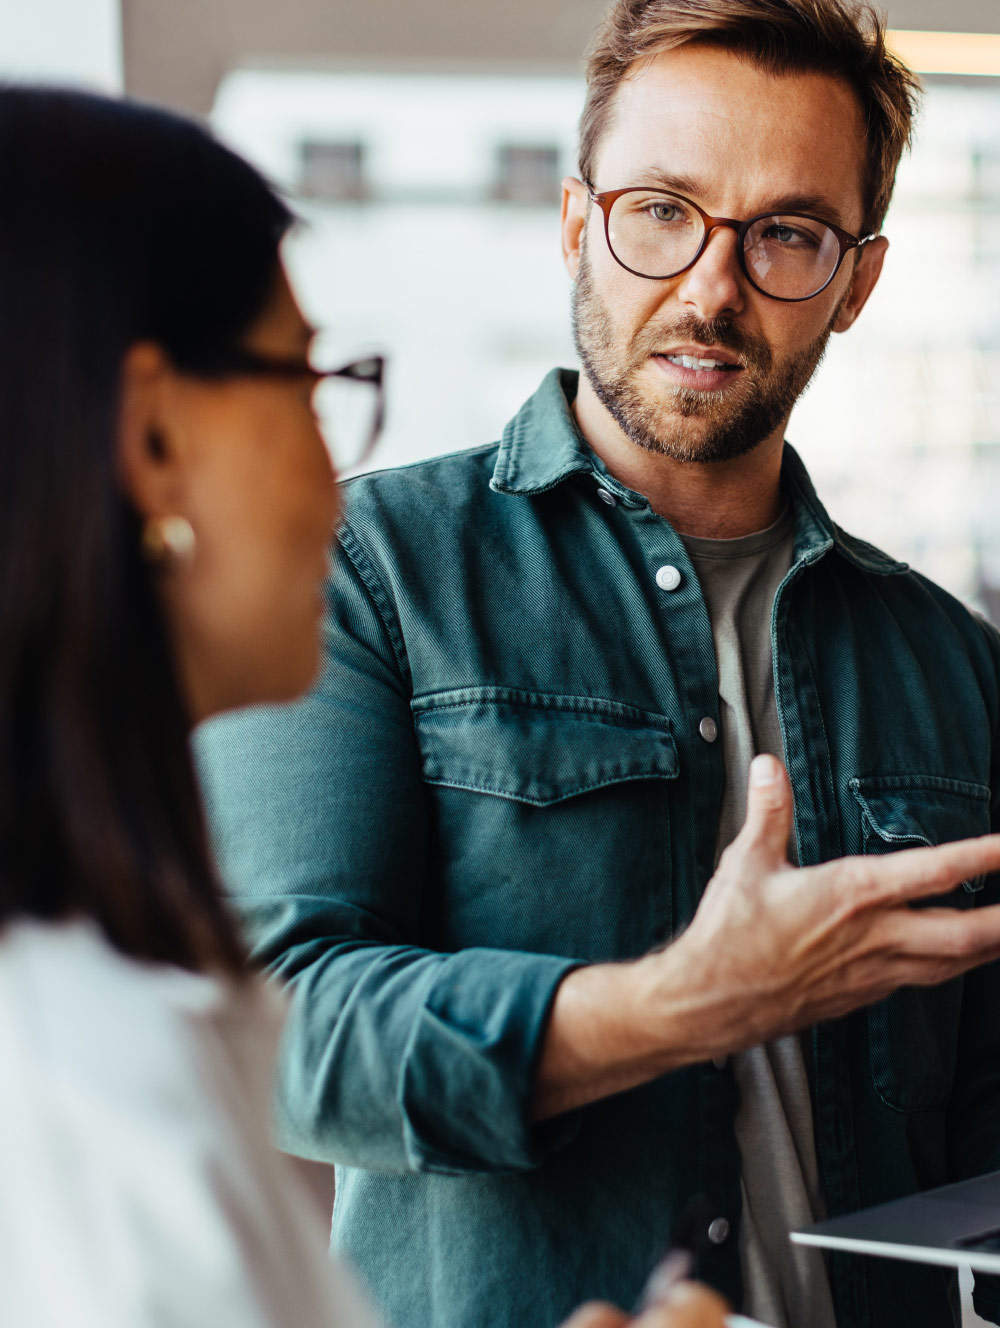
(690, 690)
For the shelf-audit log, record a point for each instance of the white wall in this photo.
(62, 41)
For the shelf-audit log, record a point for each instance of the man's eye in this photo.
(665, 212)
(789, 236)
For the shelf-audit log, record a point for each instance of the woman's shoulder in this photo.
(134, 1146)
(76, 1012)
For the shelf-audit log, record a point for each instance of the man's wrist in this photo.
(615, 1026)
(691, 1018)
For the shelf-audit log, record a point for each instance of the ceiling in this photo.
(176, 53)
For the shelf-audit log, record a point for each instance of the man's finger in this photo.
(962, 936)
(919, 873)
(689, 1305)
(769, 811)
(928, 971)
(596, 1314)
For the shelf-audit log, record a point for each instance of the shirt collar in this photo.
(541, 447)
(816, 534)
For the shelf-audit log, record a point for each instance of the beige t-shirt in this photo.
(785, 1285)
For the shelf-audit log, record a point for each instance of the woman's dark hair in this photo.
(119, 223)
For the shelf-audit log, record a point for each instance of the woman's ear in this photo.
(149, 464)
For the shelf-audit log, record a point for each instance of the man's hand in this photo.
(686, 1306)
(785, 948)
(771, 949)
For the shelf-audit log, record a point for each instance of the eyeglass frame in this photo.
(606, 199)
(365, 369)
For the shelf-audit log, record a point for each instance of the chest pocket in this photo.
(913, 1034)
(552, 821)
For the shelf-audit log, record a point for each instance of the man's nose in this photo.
(715, 284)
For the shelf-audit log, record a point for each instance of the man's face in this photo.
(739, 142)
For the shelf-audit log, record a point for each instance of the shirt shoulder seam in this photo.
(380, 597)
(459, 453)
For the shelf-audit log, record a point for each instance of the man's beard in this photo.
(733, 422)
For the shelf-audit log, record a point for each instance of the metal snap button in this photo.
(668, 578)
(708, 729)
(607, 497)
(718, 1230)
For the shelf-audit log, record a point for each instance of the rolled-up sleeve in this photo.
(395, 1056)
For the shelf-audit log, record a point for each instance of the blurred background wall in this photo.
(76, 41)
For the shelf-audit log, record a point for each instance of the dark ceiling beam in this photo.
(176, 53)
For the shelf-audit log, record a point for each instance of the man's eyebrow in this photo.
(676, 184)
(814, 205)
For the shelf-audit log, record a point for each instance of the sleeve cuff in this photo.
(467, 1084)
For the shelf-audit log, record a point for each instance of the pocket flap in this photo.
(536, 747)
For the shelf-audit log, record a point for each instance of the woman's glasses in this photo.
(349, 402)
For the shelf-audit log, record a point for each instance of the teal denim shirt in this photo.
(499, 776)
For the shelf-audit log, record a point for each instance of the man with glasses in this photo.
(521, 1025)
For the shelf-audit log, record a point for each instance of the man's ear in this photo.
(867, 271)
(149, 465)
(575, 206)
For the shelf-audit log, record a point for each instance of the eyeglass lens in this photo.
(659, 235)
(346, 409)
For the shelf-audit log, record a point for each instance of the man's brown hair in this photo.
(841, 38)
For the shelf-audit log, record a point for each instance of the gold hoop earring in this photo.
(168, 541)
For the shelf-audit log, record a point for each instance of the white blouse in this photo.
(137, 1185)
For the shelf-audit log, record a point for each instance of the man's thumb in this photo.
(769, 808)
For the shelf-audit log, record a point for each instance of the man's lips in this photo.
(704, 367)
(706, 357)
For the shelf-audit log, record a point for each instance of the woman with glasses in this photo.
(166, 504)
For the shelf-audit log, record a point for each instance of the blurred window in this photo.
(333, 170)
(527, 174)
